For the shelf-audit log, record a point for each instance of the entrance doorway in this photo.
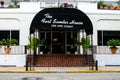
(58, 42)
(60, 27)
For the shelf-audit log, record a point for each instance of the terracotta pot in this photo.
(113, 50)
(111, 7)
(101, 7)
(7, 50)
(117, 8)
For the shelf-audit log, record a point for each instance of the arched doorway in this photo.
(59, 29)
(58, 26)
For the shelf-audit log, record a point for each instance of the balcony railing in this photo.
(15, 50)
(19, 50)
(105, 50)
(15, 4)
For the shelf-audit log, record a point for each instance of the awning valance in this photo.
(63, 19)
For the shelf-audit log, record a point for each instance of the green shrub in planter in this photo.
(8, 42)
(85, 43)
(113, 43)
(33, 43)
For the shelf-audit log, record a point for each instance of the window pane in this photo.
(68, 38)
(4, 34)
(106, 36)
(110, 35)
(99, 38)
(15, 35)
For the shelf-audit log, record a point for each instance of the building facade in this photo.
(16, 22)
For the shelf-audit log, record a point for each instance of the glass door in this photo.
(58, 42)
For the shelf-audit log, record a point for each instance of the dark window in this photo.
(104, 36)
(68, 38)
(7, 34)
(99, 37)
(4, 35)
(15, 35)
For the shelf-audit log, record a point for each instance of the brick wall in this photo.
(61, 60)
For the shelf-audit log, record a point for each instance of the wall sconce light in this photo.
(55, 39)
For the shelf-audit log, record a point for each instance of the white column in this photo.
(81, 35)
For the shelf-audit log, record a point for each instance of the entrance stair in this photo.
(60, 60)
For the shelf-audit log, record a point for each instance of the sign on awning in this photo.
(61, 19)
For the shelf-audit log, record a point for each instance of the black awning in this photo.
(65, 19)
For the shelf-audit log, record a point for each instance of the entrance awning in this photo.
(61, 19)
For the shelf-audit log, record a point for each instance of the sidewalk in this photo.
(58, 69)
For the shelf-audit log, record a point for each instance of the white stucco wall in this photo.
(104, 21)
(21, 18)
(17, 21)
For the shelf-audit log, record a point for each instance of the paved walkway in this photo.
(60, 69)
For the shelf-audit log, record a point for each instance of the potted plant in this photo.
(113, 43)
(117, 8)
(111, 7)
(73, 43)
(101, 5)
(14, 4)
(7, 43)
(2, 3)
(85, 42)
(44, 43)
(33, 43)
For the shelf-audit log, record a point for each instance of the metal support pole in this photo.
(26, 58)
(92, 50)
(96, 65)
(26, 64)
(30, 53)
